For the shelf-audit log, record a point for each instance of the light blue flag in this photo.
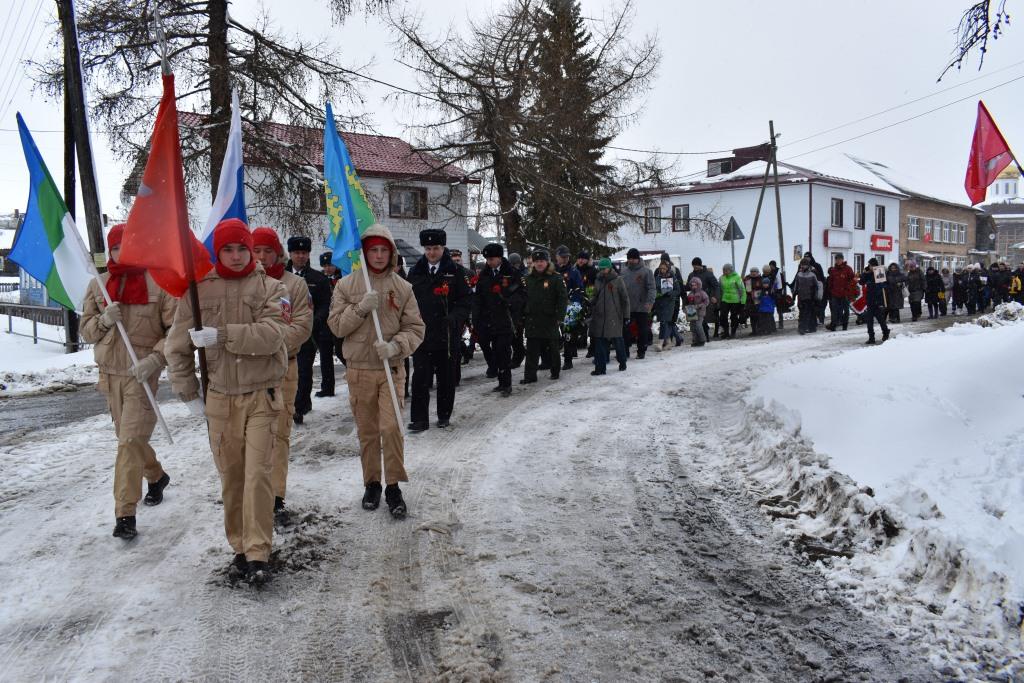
(348, 209)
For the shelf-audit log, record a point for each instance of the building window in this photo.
(881, 259)
(963, 234)
(945, 231)
(879, 218)
(914, 228)
(928, 230)
(652, 219)
(837, 213)
(681, 218)
(407, 202)
(858, 215)
(858, 262)
(312, 199)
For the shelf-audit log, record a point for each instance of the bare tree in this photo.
(977, 24)
(278, 78)
(486, 84)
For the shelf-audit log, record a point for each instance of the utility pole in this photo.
(778, 214)
(70, 317)
(75, 101)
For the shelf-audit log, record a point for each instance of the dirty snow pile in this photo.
(903, 465)
(27, 368)
(1004, 314)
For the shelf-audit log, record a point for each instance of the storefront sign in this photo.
(881, 243)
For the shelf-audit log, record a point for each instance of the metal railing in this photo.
(8, 287)
(57, 317)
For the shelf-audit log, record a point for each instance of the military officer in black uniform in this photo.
(444, 301)
(500, 294)
(320, 340)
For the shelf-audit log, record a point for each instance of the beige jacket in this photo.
(146, 325)
(398, 311)
(298, 313)
(250, 352)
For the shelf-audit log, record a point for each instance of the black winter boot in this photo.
(238, 568)
(124, 527)
(567, 365)
(258, 573)
(396, 504)
(371, 498)
(155, 494)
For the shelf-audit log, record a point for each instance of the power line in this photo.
(14, 91)
(654, 151)
(8, 80)
(3, 57)
(911, 118)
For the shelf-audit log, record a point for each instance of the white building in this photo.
(836, 208)
(408, 190)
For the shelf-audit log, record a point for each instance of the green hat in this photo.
(604, 263)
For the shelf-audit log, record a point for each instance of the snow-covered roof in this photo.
(901, 180)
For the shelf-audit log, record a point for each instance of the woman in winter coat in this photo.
(935, 292)
(244, 332)
(915, 289)
(667, 289)
(809, 290)
(896, 281)
(609, 309)
(959, 290)
(734, 298)
(146, 312)
(697, 303)
(947, 286)
(546, 300)
(752, 287)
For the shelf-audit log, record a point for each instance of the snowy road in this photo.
(589, 529)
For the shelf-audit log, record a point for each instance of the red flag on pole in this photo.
(989, 156)
(158, 236)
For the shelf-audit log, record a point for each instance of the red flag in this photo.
(989, 156)
(158, 236)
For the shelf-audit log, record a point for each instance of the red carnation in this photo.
(496, 289)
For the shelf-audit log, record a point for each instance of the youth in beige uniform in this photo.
(299, 315)
(146, 312)
(380, 436)
(244, 336)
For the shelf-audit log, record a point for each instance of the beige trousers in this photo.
(379, 432)
(242, 432)
(279, 475)
(134, 420)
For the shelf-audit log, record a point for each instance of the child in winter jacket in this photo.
(697, 302)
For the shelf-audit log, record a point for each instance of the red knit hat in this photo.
(231, 231)
(267, 237)
(115, 236)
(376, 240)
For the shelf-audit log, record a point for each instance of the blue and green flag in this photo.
(48, 246)
(348, 209)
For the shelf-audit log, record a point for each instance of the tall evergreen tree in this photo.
(568, 133)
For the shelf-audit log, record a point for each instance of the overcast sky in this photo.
(727, 67)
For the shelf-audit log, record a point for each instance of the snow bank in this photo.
(904, 466)
(27, 368)
(1004, 314)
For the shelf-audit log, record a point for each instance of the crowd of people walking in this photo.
(266, 317)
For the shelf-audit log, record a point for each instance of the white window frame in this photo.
(859, 213)
(837, 203)
(914, 228)
(652, 219)
(681, 218)
(879, 217)
(945, 231)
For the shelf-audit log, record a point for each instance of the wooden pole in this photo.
(757, 215)
(778, 213)
(75, 91)
(70, 318)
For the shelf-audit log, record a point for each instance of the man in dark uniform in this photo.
(443, 298)
(499, 292)
(465, 348)
(333, 275)
(321, 339)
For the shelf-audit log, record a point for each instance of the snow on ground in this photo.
(28, 368)
(603, 529)
(931, 425)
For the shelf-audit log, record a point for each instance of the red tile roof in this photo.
(376, 156)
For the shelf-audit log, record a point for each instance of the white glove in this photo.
(368, 303)
(111, 315)
(387, 350)
(204, 338)
(145, 368)
(195, 407)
